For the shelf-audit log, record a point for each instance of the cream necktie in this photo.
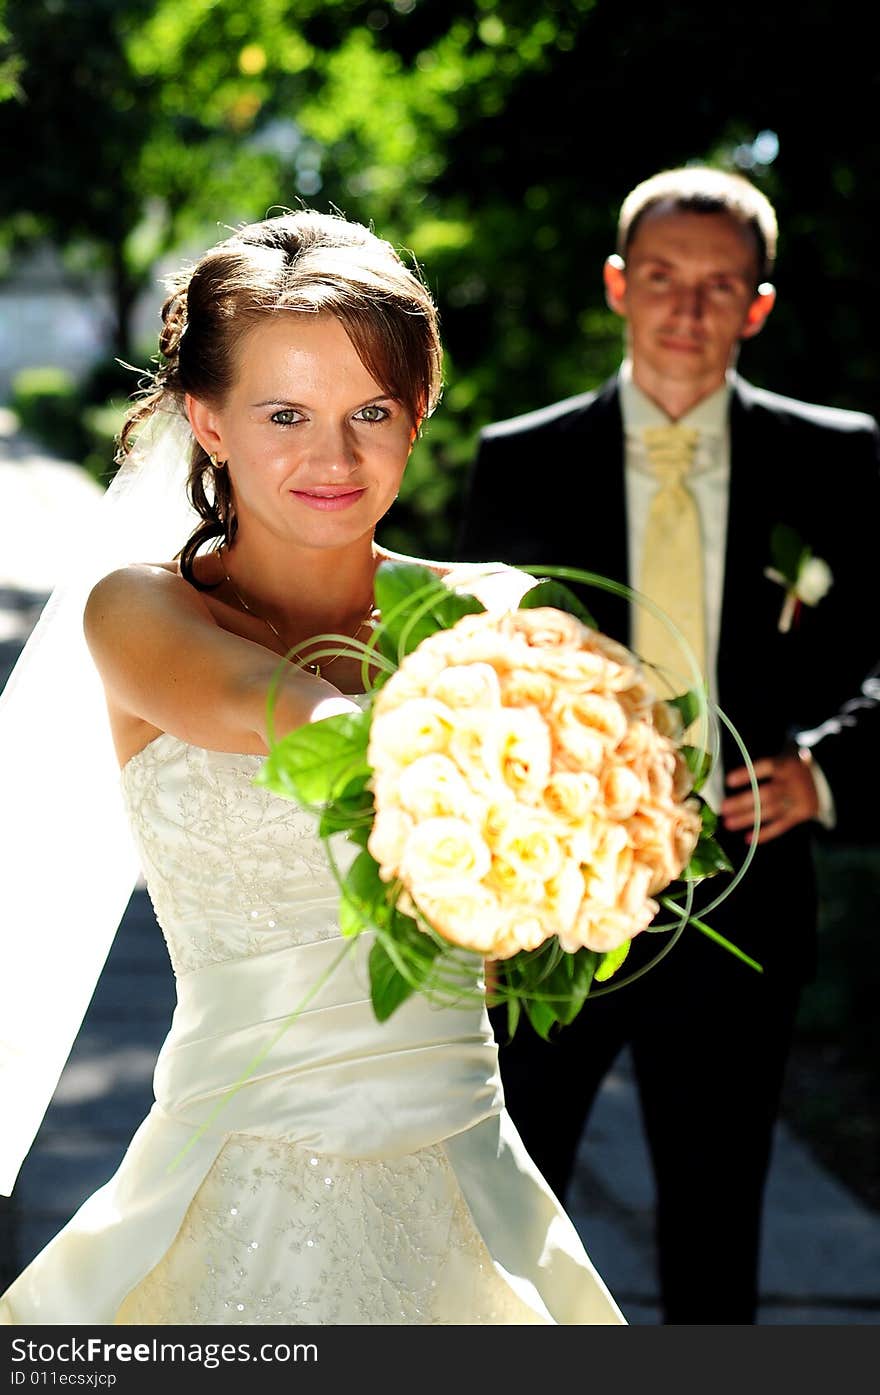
(672, 560)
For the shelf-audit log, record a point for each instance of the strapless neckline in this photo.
(177, 741)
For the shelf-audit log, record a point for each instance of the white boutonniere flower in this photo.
(807, 579)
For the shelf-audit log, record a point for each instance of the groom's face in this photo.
(688, 294)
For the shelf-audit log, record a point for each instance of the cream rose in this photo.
(416, 728)
(545, 628)
(434, 787)
(528, 784)
(603, 929)
(388, 837)
(518, 933)
(570, 796)
(475, 747)
(577, 747)
(597, 713)
(524, 751)
(472, 918)
(441, 855)
(522, 687)
(526, 841)
(579, 670)
(621, 791)
(514, 883)
(565, 893)
(467, 685)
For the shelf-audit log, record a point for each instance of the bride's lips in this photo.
(328, 500)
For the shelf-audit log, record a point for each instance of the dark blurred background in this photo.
(495, 142)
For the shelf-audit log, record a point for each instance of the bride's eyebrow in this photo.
(300, 406)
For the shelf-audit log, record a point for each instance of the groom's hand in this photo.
(787, 791)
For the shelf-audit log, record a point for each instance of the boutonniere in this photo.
(806, 578)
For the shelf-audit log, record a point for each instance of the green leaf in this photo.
(351, 813)
(707, 860)
(541, 1015)
(788, 551)
(554, 995)
(699, 763)
(400, 962)
(611, 962)
(365, 897)
(501, 996)
(514, 1012)
(575, 974)
(388, 987)
(315, 763)
(351, 919)
(369, 903)
(687, 705)
(560, 597)
(405, 590)
(709, 818)
(360, 834)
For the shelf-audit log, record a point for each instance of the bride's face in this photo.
(316, 448)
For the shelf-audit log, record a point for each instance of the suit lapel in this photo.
(593, 533)
(750, 602)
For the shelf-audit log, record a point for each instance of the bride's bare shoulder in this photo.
(141, 587)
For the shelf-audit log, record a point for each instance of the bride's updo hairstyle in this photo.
(314, 263)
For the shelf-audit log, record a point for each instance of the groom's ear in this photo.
(614, 276)
(756, 315)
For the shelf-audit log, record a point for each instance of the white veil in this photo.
(67, 862)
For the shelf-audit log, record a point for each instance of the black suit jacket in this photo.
(848, 745)
(548, 488)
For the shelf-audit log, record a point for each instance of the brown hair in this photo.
(313, 262)
(699, 189)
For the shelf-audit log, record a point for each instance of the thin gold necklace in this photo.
(314, 668)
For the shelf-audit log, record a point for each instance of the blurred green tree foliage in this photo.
(10, 63)
(493, 138)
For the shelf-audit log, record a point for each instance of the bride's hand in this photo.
(332, 705)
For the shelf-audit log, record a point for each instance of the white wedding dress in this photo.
(363, 1173)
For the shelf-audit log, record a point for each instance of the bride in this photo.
(358, 1173)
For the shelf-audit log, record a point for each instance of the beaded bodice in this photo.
(231, 869)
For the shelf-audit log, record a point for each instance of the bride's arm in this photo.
(163, 659)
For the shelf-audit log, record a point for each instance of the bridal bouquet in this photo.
(518, 794)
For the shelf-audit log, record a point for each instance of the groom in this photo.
(675, 477)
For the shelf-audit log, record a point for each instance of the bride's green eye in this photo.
(287, 416)
(372, 413)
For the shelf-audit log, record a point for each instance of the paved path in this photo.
(822, 1246)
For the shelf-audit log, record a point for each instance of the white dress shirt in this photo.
(709, 482)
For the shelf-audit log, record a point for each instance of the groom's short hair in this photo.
(700, 189)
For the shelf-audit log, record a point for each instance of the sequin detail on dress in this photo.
(342, 1242)
(232, 870)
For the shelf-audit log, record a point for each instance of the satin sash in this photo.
(330, 1080)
